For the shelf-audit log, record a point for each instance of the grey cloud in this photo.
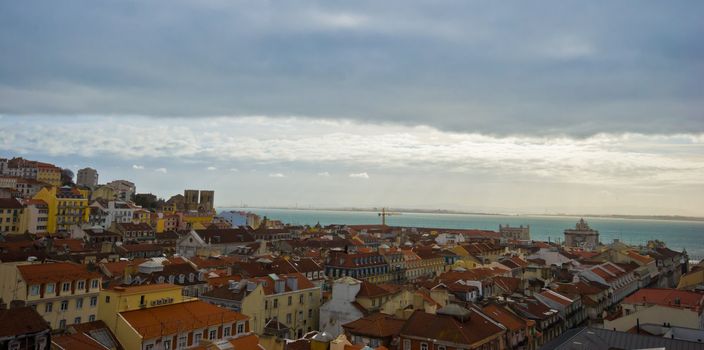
(505, 68)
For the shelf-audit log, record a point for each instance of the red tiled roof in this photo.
(77, 341)
(668, 297)
(447, 328)
(556, 297)
(55, 272)
(505, 317)
(176, 318)
(19, 321)
(371, 290)
(377, 325)
(10, 203)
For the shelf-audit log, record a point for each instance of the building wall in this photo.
(125, 334)
(87, 177)
(339, 309)
(303, 315)
(656, 314)
(15, 288)
(36, 219)
(12, 220)
(253, 306)
(119, 301)
(50, 175)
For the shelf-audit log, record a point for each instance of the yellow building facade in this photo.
(13, 218)
(62, 293)
(197, 220)
(49, 174)
(119, 299)
(68, 206)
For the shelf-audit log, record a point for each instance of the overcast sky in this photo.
(530, 107)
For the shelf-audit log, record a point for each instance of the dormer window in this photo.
(181, 278)
(171, 279)
(191, 277)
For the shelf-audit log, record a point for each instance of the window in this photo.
(310, 313)
(93, 301)
(441, 347)
(240, 328)
(212, 334)
(406, 344)
(94, 284)
(423, 346)
(300, 299)
(276, 303)
(290, 298)
(14, 345)
(166, 344)
(182, 341)
(48, 307)
(41, 342)
(288, 319)
(266, 304)
(81, 285)
(49, 288)
(77, 320)
(107, 299)
(149, 347)
(79, 303)
(64, 305)
(91, 318)
(66, 287)
(226, 331)
(62, 324)
(34, 290)
(196, 338)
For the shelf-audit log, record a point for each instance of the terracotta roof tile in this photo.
(378, 325)
(23, 320)
(668, 297)
(447, 328)
(180, 317)
(504, 316)
(55, 272)
(371, 290)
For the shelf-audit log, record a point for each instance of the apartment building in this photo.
(62, 293)
(157, 316)
(289, 299)
(68, 207)
(11, 216)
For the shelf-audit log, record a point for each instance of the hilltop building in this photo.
(87, 177)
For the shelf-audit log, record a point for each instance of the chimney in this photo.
(292, 282)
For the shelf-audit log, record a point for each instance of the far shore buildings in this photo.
(521, 233)
(582, 236)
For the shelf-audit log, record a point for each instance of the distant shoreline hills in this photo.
(459, 212)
